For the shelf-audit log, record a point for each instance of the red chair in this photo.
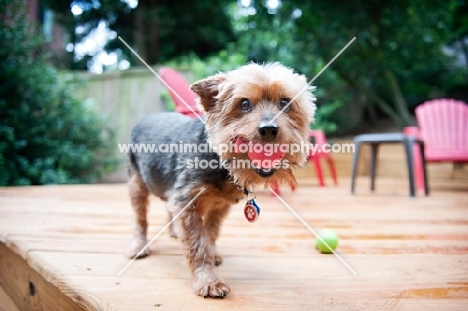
(179, 90)
(319, 142)
(315, 157)
(443, 126)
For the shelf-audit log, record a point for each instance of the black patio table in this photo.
(374, 140)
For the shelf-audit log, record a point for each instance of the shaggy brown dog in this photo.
(240, 108)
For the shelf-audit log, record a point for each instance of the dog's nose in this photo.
(268, 131)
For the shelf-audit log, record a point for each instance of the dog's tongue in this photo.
(260, 157)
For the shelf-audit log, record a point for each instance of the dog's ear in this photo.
(208, 89)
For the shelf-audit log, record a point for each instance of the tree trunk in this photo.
(153, 44)
(146, 18)
(371, 112)
(400, 102)
(371, 95)
(464, 48)
(139, 34)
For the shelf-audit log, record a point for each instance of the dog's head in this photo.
(244, 112)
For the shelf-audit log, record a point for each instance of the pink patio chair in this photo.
(180, 91)
(443, 126)
(320, 141)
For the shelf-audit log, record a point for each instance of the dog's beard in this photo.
(252, 177)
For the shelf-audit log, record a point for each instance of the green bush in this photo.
(46, 135)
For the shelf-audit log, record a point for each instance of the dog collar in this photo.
(251, 210)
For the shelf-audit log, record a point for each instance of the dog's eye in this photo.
(283, 103)
(245, 105)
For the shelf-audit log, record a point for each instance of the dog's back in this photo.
(156, 165)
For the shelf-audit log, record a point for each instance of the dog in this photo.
(239, 108)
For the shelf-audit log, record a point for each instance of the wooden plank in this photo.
(407, 252)
(366, 239)
(6, 303)
(278, 295)
(240, 246)
(27, 289)
(50, 297)
(314, 266)
(14, 277)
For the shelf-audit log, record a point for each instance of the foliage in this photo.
(396, 62)
(46, 135)
(158, 30)
(201, 68)
(405, 52)
(266, 35)
(459, 25)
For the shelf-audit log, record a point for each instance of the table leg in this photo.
(374, 153)
(423, 161)
(408, 142)
(355, 165)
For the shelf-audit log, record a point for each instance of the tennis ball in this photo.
(330, 237)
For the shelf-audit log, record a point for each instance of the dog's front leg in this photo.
(212, 222)
(201, 256)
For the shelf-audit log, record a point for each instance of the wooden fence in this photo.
(125, 97)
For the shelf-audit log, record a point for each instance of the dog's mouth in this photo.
(265, 158)
(265, 172)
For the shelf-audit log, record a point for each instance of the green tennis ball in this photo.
(330, 237)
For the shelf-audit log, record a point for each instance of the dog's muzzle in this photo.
(268, 131)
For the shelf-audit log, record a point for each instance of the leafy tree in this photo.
(396, 61)
(459, 27)
(46, 135)
(459, 42)
(158, 30)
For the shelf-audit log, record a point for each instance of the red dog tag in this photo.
(251, 210)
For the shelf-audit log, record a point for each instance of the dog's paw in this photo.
(215, 288)
(134, 249)
(218, 259)
(174, 230)
(174, 233)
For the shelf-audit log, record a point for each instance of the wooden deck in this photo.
(62, 247)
